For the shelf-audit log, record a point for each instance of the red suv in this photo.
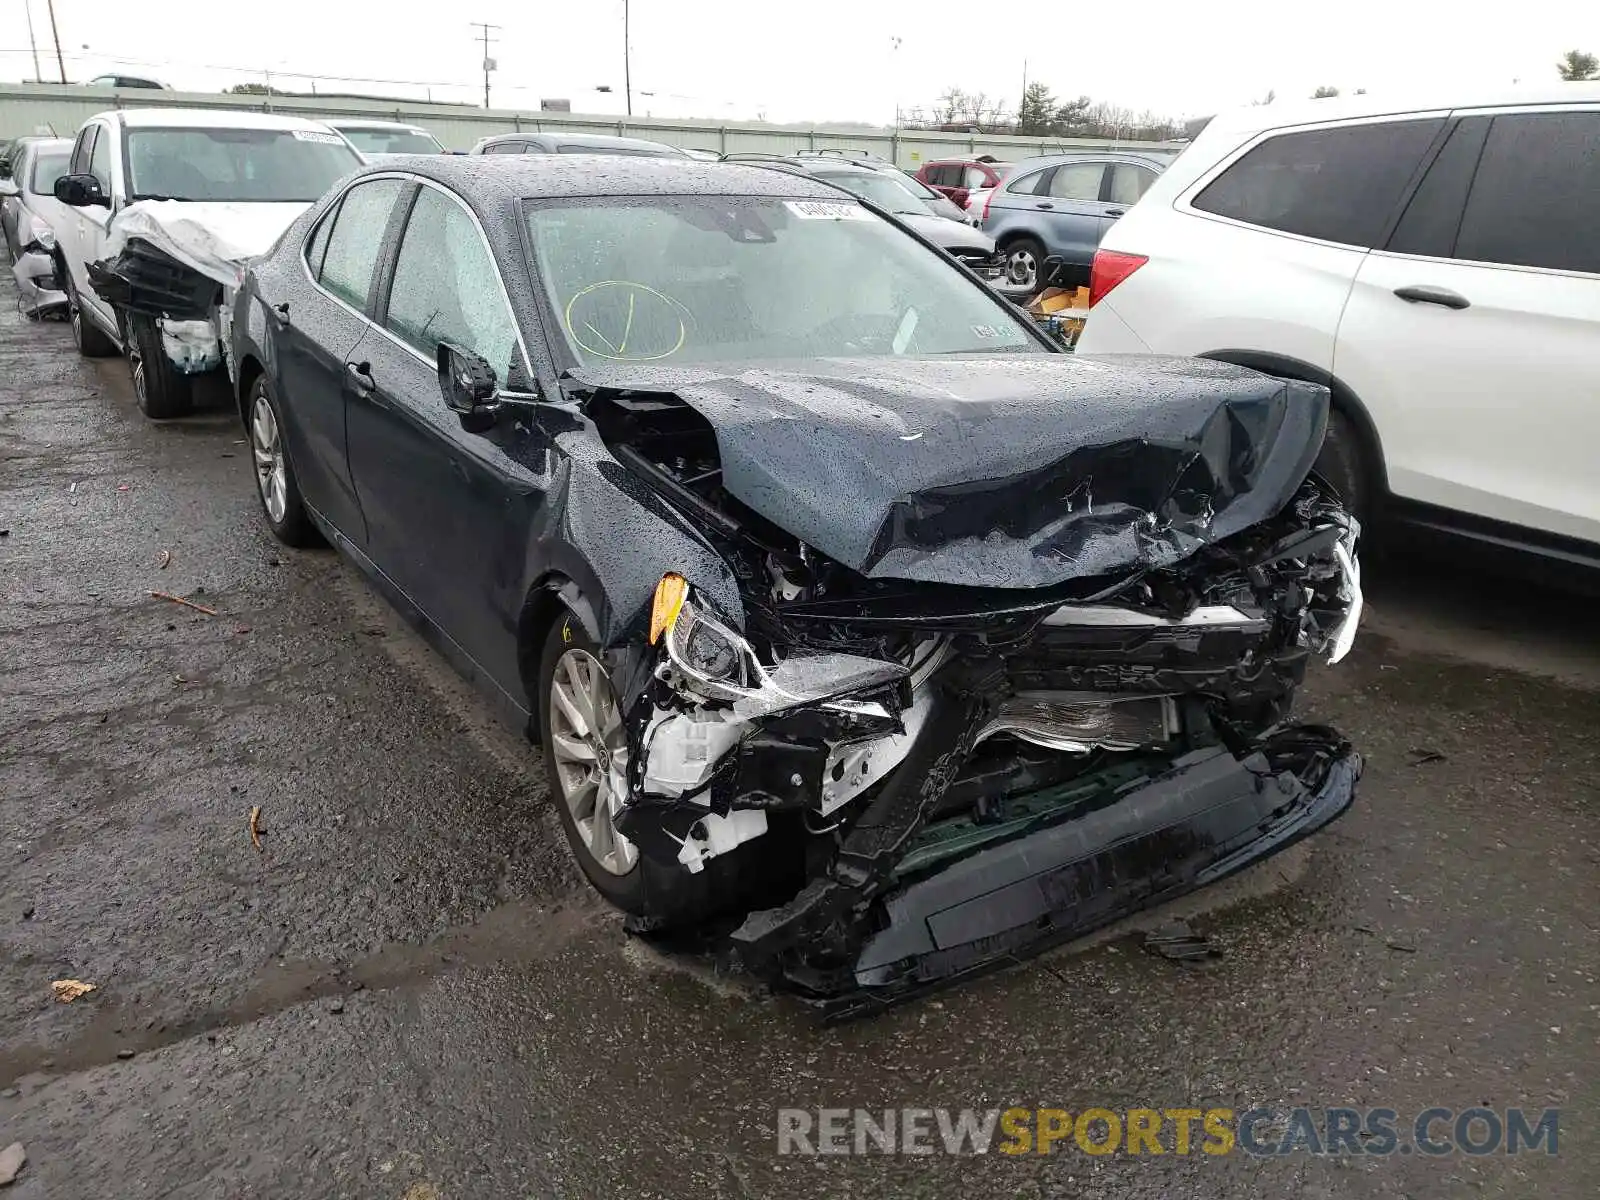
(956, 177)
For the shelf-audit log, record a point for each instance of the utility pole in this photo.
(56, 34)
(27, 7)
(1024, 94)
(488, 63)
(627, 75)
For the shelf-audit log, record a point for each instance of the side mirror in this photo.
(468, 385)
(9, 188)
(81, 191)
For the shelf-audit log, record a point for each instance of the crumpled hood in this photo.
(214, 239)
(1002, 470)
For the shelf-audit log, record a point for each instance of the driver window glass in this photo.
(446, 288)
(100, 161)
(1129, 183)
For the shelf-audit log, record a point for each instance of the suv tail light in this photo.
(1109, 268)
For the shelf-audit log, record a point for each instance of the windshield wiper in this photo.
(159, 196)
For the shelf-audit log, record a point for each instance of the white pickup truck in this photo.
(164, 207)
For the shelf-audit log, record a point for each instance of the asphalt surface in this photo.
(408, 992)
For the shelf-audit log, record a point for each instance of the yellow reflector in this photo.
(664, 609)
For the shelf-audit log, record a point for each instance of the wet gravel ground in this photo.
(407, 991)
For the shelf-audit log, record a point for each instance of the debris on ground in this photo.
(12, 1159)
(1175, 940)
(125, 1055)
(5, 533)
(68, 990)
(210, 612)
(336, 1006)
(166, 560)
(255, 826)
(1421, 756)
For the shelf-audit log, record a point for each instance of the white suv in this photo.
(1437, 267)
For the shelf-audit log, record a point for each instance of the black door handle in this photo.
(1443, 297)
(360, 377)
(1115, 212)
(1044, 205)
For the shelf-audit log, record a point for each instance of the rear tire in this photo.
(161, 391)
(89, 338)
(665, 894)
(1024, 262)
(276, 485)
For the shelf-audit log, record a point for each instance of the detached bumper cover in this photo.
(1210, 815)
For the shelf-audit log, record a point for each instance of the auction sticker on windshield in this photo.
(827, 210)
(314, 135)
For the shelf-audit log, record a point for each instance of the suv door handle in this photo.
(1114, 212)
(1443, 297)
(359, 376)
(1043, 205)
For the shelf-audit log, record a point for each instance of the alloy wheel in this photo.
(591, 757)
(1022, 269)
(266, 446)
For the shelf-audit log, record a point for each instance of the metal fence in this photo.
(60, 109)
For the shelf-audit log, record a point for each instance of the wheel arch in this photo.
(1342, 399)
(552, 596)
(250, 369)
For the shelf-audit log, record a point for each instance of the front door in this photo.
(92, 223)
(1473, 337)
(448, 511)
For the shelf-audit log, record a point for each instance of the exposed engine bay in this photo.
(957, 773)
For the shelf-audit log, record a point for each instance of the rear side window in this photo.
(1341, 185)
(1433, 217)
(976, 177)
(1028, 185)
(355, 239)
(1077, 181)
(1535, 196)
(319, 242)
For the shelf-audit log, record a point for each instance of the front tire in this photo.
(276, 485)
(1024, 263)
(86, 335)
(585, 758)
(161, 391)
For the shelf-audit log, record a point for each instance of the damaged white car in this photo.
(859, 626)
(29, 212)
(165, 208)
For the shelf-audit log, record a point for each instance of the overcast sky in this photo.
(819, 60)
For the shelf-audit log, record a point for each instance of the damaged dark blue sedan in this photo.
(859, 627)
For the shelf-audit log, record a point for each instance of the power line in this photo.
(488, 63)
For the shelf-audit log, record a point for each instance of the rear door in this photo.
(328, 319)
(448, 511)
(1128, 181)
(1473, 336)
(1072, 212)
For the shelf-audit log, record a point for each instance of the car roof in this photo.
(578, 139)
(37, 144)
(1025, 165)
(1258, 117)
(206, 118)
(496, 179)
(363, 123)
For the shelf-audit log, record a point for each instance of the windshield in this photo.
(282, 165)
(734, 278)
(392, 141)
(48, 166)
(883, 190)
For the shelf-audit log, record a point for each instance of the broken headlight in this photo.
(712, 657)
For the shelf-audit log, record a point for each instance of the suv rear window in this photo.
(1339, 184)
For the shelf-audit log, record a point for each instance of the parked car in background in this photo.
(939, 205)
(384, 139)
(163, 208)
(765, 521)
(29, 212)
(120, 80)
(958, 177)
(1436, 265)
(574, 143)
(893, 193)
(1062, 206)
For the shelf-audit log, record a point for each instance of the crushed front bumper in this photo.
(1209, 814)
